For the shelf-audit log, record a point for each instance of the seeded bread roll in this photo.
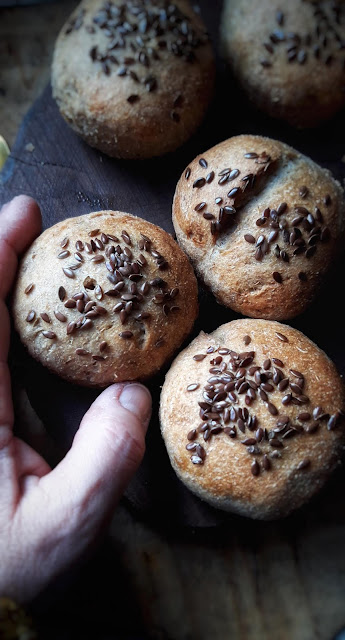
(133, 79)
(290, 62)
(252, 418)
(103, 298)
(261, 223)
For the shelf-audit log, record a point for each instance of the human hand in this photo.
(48, 518)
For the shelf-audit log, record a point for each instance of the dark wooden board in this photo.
(68, 178)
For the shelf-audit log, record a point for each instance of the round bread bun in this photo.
(252, 418)
(133, 79)
(290, 62)
(261, 223)
(103, 298)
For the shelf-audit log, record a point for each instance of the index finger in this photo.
(20, 223)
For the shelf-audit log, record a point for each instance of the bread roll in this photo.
(252, 418)
(103, 298)
(133, 79)
(261, 223)
(288, 57)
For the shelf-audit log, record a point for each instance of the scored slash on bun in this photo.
(103, 298)
(290, 62)
(261, 223)
(252, 416)
(134, 79)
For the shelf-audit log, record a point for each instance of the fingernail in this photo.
(137, 399)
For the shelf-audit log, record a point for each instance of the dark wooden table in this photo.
(204, 576)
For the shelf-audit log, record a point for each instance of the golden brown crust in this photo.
(277, 222)
(128, 331)
(294, 388)
(133, 94)
(289, 58)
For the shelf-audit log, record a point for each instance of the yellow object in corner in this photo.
(14, 622)
(4, 151)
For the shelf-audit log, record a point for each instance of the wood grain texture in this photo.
(27, 38)
(234, 578)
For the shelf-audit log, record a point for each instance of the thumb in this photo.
(106, 451)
